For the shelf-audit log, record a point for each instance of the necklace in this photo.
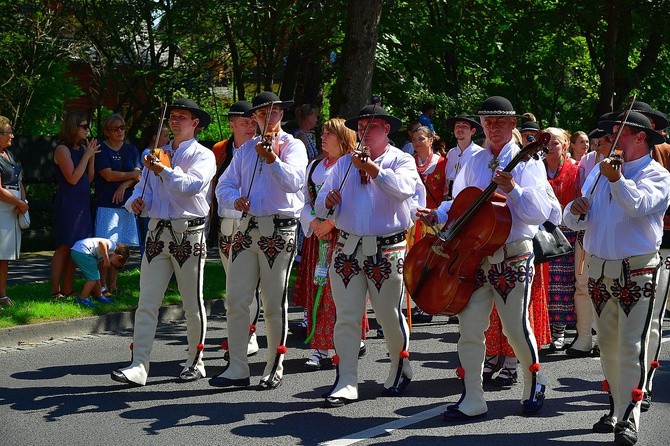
(328, 163)
(421, 167)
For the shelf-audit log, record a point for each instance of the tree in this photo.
(33, 67)
(354, 82)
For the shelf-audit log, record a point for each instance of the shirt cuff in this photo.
(515, 193)
(166, 173)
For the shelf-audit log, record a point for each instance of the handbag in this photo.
(550, 243)
(24, 220)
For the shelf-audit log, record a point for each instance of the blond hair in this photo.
(345, 136)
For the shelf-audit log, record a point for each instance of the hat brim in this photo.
(451, 122)
(283, 104)
(203, 117)
(352, 123)
(497, 114)
(656, 138)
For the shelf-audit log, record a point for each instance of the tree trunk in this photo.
(235, 57)
(354, 84)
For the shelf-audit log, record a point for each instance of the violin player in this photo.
(243, 128)
(176, 199)
(506, 277)
(373, 208)
(628, 203)
(264, 182)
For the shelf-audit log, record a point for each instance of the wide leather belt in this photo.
(11, 187)
(195, 222)
(382, 240)
(278, 222)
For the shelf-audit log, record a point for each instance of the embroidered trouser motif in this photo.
(508, 285)
(624, 306)
(185, 257)
(267, 260)
(353, 278)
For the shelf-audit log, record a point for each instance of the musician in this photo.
(660, 153)
(465, 128)
(264, 182)
(628, 203)
(176, 200)
(506, 277)
(372, 207)
(243, 128)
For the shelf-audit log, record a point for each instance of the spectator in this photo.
(307, 115)
(427, 112)
(579, 145)
(408, 147)
(71, 212)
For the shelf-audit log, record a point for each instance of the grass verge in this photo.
(33, 304)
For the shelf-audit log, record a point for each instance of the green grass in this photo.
(33, 304)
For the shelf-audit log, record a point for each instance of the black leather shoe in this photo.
(574, 353)
(422, 318)
(362, 351)
(399, 389)
(455, 415)
(532, 407)
(605, 425)
(333, 401)
(267, 384)
(298, 328)
(118, 376)
(220, 381)
(190, 374)
(625, 433)
(645, 404)
(595, 353)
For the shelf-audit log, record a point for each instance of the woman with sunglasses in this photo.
(74, 156)
(117, 170)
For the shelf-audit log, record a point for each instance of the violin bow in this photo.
(616, 141)
(153, 150)
(358, 147)
(258, 157)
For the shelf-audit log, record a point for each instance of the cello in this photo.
(440, 271)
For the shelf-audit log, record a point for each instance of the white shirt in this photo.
(528, 202)
(629, 223)
(180, 191)
(384, 206)
(586, 165)
(276, 188)
(307, 214)
(91, 246)
(225, 212)
(456, 159)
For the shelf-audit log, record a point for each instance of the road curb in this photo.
(38, 333)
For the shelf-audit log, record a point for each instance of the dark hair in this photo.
(427, 106)
(122, 250)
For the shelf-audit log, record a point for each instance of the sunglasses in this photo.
(85, 126)
(118, 128)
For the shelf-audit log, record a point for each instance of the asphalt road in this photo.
(59, 392)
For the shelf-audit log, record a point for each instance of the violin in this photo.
(440, 271)
(363, 154)
(267, 140)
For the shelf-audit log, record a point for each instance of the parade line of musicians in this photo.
(356, 204)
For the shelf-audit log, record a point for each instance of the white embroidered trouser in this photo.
(507, 283)
(661, 300)
(353, 277)
(623, 298)
(255, 257)
(170, 251)
(583, 305)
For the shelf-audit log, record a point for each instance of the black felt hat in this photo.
(659, 119)
(596, 133)
(239, 108)
(637, 121)
(497, 106)
(530, 126)
(265, 99)
(190, 105)
(451, 122)
(370, 111)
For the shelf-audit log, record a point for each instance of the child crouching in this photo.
(87, 253)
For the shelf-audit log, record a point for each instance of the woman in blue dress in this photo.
(117, 170)
(71, 211)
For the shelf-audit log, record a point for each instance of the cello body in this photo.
(441, 272)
